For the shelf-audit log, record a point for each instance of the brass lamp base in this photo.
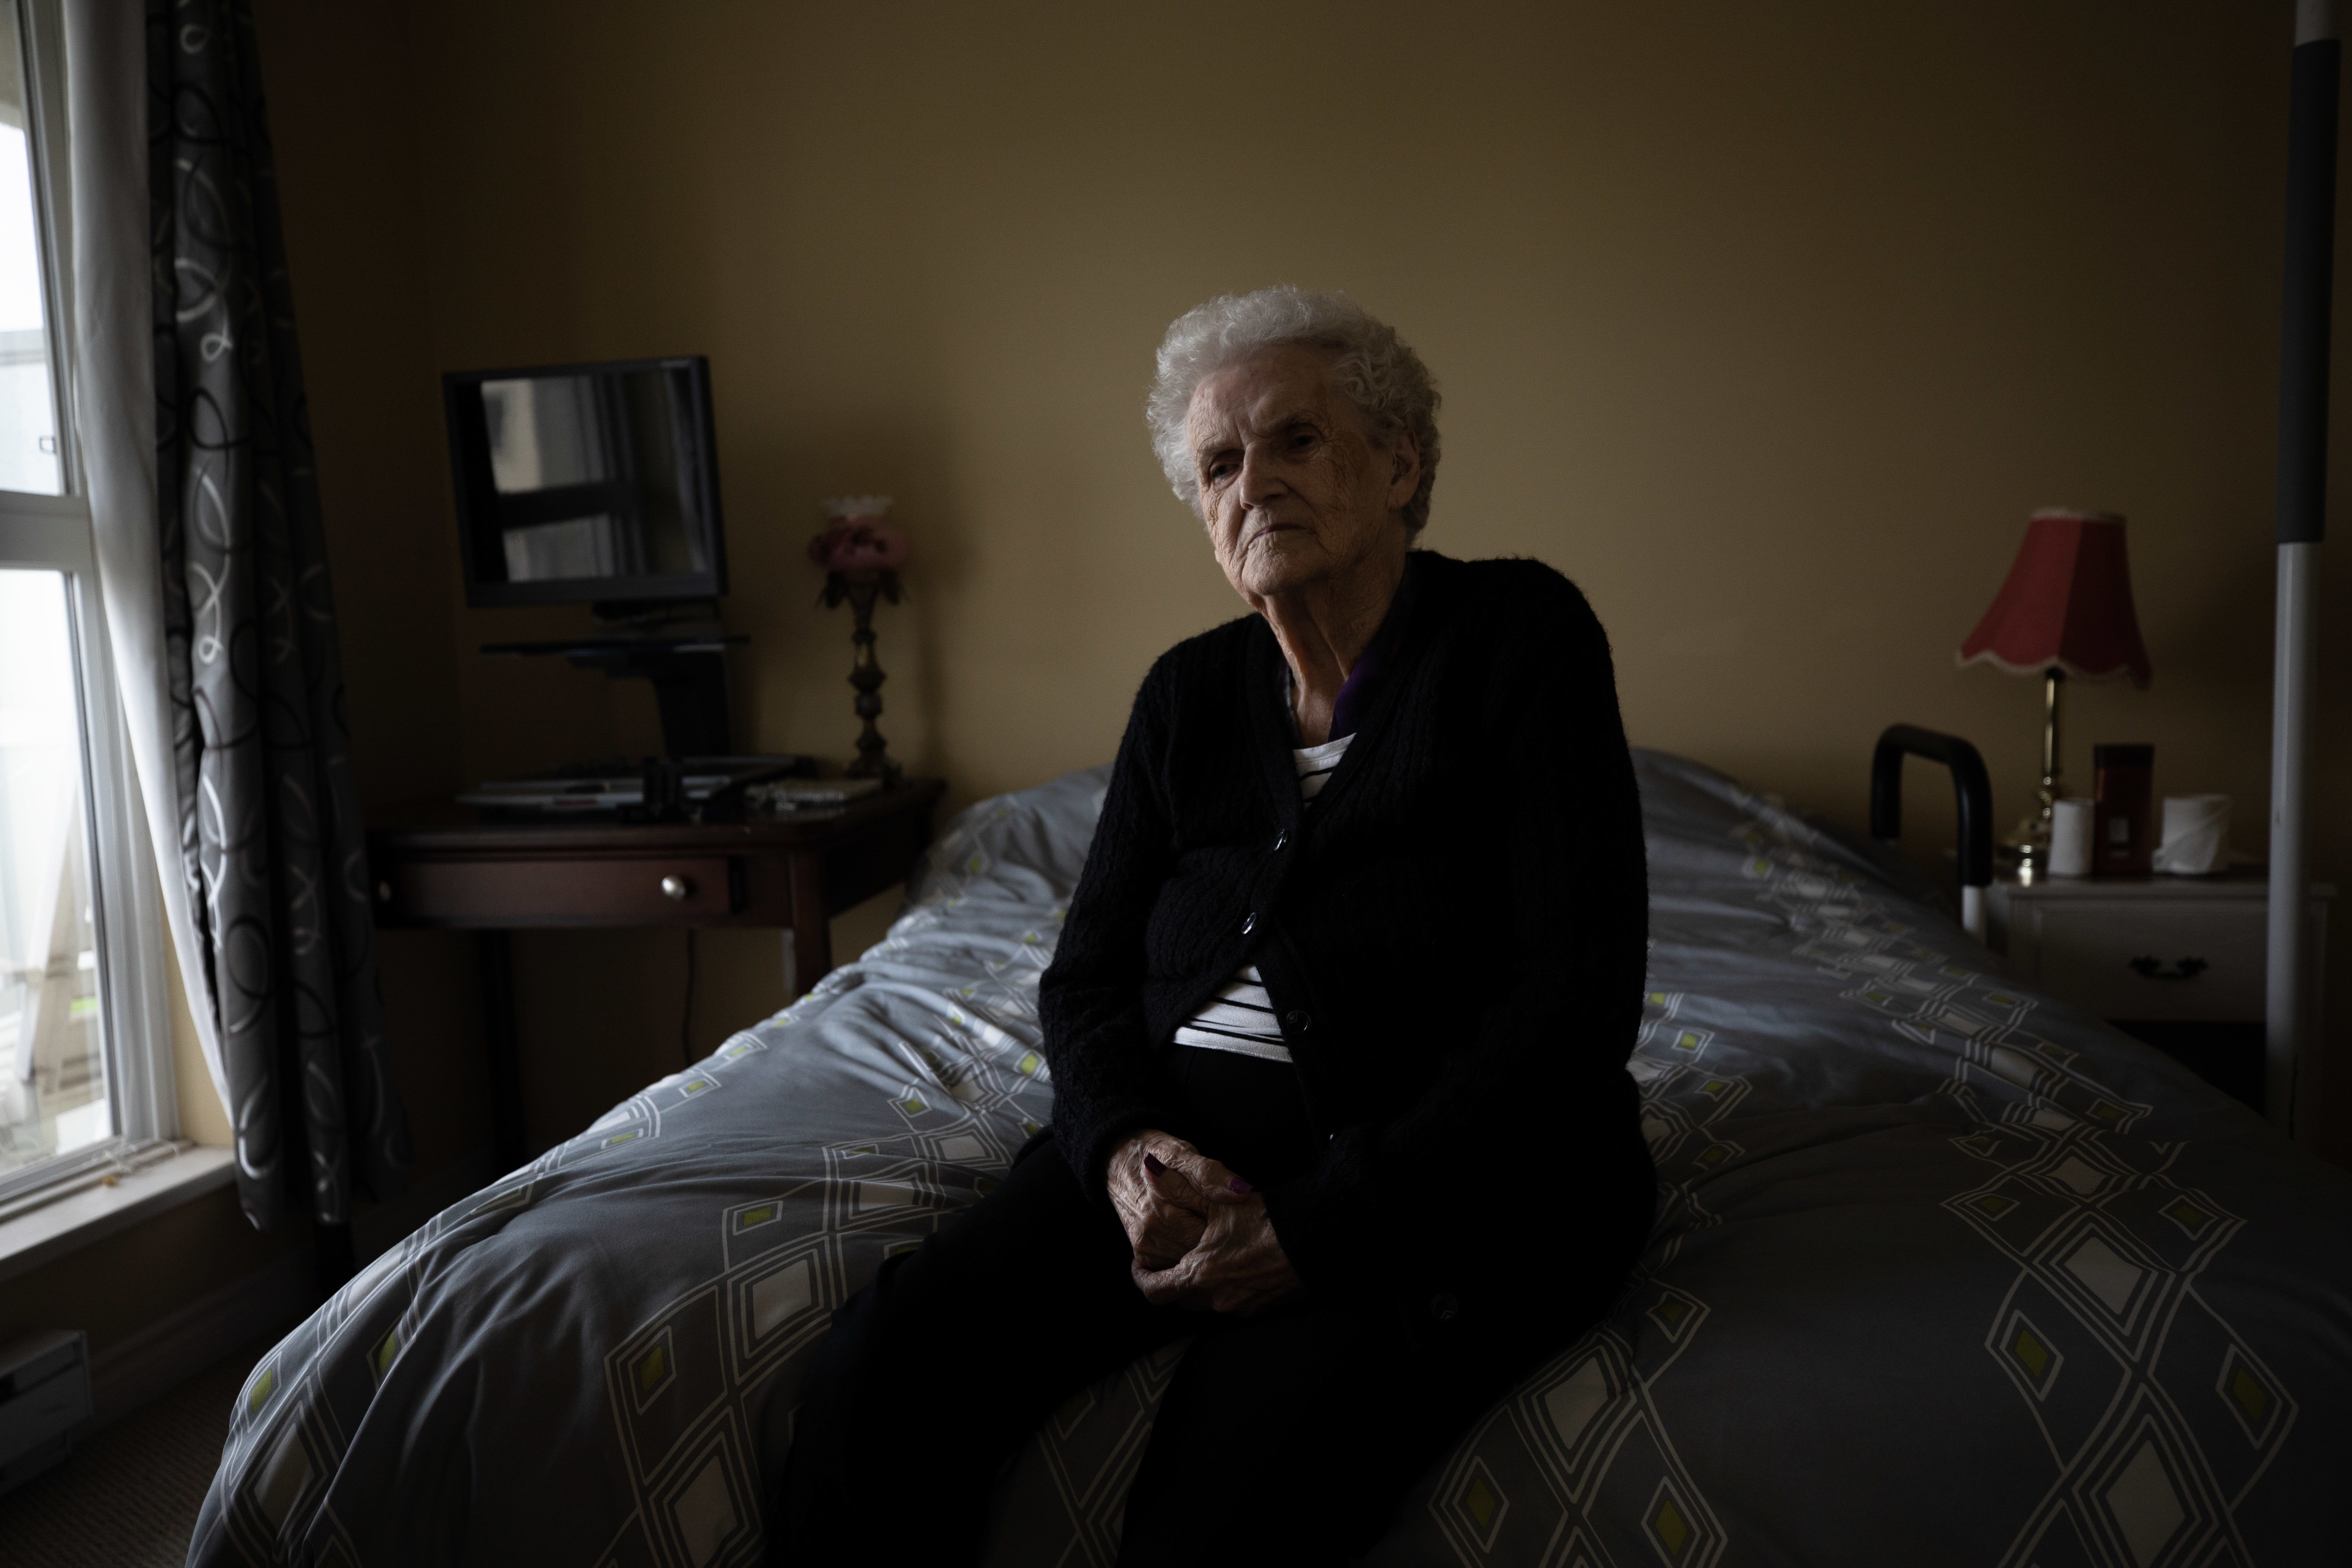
(2029, 841)
(2029, 855)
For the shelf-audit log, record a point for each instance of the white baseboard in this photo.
(149, 1364)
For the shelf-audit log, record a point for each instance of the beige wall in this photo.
(113, 1288)
(1767, 324)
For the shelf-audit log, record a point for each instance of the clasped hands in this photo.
(1201, 1238)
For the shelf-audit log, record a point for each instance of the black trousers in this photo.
(1284, 1439)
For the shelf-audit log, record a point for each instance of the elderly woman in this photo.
(1338, 1023)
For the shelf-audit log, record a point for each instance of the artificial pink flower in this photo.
(858, 543)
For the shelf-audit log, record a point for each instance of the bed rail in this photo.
(1971, 785)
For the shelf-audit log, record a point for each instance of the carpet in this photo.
(128, 1498)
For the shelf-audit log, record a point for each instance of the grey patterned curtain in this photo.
(270, 837)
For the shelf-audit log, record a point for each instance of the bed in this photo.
(1943, 1271)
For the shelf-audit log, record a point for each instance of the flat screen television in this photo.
(587, 483)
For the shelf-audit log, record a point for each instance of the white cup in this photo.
(2069, 837)
(2195, 839)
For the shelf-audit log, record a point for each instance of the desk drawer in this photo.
(556, 892)
(2087, 948)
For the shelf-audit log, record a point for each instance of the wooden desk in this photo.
(440, 867)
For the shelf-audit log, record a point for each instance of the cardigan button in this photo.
(1444, 1307)
(1299, 1019)
(1249, 923)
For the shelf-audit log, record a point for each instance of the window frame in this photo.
(55, 534)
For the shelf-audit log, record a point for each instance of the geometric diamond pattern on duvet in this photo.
(1935, 1260)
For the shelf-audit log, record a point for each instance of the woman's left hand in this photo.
(1238, 1266)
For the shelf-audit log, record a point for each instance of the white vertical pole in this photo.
(2284, 1048)
(2305, 341)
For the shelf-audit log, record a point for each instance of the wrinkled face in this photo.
(1293, 487)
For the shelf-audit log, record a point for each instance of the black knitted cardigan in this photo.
(1454, 939)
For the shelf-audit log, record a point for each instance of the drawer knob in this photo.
(2148, 966)
(676, 888)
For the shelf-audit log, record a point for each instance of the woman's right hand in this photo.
(1162, 1187)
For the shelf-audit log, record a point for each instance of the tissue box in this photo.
(2195, 839)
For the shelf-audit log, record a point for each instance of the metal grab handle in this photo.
(1971, 787)
(2148, 966)
(676, 888)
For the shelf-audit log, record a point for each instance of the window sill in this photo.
(40, 1235)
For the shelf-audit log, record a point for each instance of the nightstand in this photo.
(2177, 962)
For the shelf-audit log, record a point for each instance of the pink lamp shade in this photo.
(2067, 602)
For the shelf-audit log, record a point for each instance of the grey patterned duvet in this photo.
(1943, 1272)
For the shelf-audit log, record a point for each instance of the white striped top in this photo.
(1240, 1018)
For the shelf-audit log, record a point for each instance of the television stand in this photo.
(687, 668)
(647, 616)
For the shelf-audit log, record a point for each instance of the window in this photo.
(85, 1063)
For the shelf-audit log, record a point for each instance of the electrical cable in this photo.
(686, 1019)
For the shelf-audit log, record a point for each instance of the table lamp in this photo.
(2064, 611)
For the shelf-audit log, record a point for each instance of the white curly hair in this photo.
(1376, 370)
